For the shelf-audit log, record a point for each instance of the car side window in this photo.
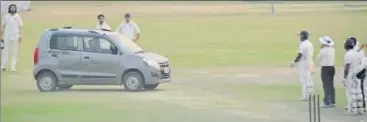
(98, 45)
(64, 42)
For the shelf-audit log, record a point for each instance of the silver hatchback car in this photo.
(67, 56)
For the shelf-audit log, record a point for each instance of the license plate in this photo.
(166, 70)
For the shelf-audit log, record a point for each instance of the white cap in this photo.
(326, 40)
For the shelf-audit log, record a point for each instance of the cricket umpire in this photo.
(326, 59)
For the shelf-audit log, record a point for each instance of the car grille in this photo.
(164, 75)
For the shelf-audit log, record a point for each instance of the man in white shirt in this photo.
(129, 29)
(352, 62)
(102, 24)
(11, 33)
(305, 63)
(326, 59)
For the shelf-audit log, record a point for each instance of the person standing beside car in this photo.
(129, 28)
(326, 59)
(102, 24)
(11, 33)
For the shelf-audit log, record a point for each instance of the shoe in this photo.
(303, 99)
(333, 105)
(325, 106)
(13, 70)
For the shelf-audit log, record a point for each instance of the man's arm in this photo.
(362, 66)
(137, 37)
(137, 29)
(2, 26)
(346, 70)
(361, 47)
(118, 30)
(298, 57)
(320, 55)
(20, 28)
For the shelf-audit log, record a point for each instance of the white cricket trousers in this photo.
(354, 96)
(306, 79)
(11, 44)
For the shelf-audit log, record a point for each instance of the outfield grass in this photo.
(195, 38)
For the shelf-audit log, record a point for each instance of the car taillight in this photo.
(35, 56)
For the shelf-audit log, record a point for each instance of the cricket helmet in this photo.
(349, 44)
(354, 39)
(304, 35)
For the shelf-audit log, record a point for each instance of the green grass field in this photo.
(201, 39)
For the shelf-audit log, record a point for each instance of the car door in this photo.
(66, 48)
(101, 66)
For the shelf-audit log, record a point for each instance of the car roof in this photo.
(81, 30)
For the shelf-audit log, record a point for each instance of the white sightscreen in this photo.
(21, 5)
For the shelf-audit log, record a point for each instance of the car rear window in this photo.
(64, 42)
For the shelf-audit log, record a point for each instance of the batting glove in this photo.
(292, 64)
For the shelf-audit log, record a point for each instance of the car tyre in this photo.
(47, 82)
(65, 86)
(151, 87)
(133, 81)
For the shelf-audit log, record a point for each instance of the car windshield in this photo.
(127, 44)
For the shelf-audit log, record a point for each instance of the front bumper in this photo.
(165, 81)
(163, 75)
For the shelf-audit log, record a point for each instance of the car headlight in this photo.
(152, 63)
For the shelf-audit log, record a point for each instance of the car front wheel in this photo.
(133, 81)
(47, 82)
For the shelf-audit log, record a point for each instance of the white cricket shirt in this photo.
(104, 25)
(352, 57)
(326, 56)
(129, 30)
(306, 49)
(12, 24)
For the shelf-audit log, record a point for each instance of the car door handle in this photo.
(86, 57)
(54, 55)
(65, 52)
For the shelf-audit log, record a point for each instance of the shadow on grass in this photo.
(89, 90)
(108, 90)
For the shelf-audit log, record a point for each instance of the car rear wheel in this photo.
(65, 86)
(151, 87)
(133, 81)
(47, 82)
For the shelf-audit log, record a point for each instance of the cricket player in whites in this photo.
(361, 72)
(102, 24)
(352, 62)
(129, 29)
(305, 64)
(11, 33)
